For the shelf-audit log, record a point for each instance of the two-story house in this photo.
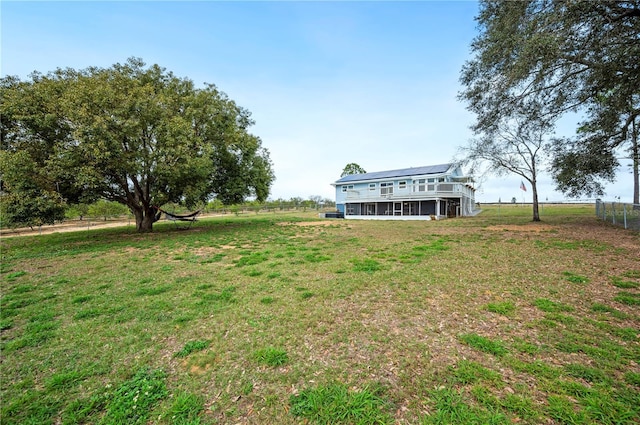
(419, 193)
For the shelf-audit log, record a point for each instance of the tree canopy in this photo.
(136, 135)
(352, 168)
(27, 200)
(579, 56)
(518, 144)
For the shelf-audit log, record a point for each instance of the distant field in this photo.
(287, 319)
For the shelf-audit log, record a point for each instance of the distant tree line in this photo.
(105, 210)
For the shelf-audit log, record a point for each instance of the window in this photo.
(402, 184)
(386, 188)
(347, 187)
(372, 186)
(421, 187)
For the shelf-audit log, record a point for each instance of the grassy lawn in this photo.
(285, 319)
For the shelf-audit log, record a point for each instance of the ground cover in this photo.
(290, 319)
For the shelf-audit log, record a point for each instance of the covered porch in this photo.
(432, 209)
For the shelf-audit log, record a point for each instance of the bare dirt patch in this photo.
(598, 230)
(67, 226)
(76, 226)
(204, 251)
(532, 227)
(309, 223)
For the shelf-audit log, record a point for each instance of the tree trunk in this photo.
(144, 219)
(534, 191)
(635, 155)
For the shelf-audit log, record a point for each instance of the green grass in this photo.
(451, 407)
(598, 307)
(551, 306)
(337, 404)
(14, 275)
(256, 319)
(468, 372)
(133, 400)
(624, 284)
(485, 344)
(191, 347)
(632, 274)
(587, 373)
(575, 278)
(628, 298)
(271, 356)
(506, 308)
(366, 265)
(185, 409)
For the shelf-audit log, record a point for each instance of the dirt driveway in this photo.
(66, 226)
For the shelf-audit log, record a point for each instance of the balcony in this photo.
(415, 191)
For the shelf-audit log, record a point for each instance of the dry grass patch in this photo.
(322, 223)
(530, 227)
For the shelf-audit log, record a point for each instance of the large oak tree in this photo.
(136, 135)
(574, 56)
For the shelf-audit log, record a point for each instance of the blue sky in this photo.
(328, 83)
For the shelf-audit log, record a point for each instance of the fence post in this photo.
(630, 218)
(613, 212)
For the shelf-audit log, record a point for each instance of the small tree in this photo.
(77, 211)
(352, 168)
(106, 209)
(296, 202)
(329, 202)
(315, 200)
(516, 145)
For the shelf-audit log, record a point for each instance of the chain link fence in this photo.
(620, 214)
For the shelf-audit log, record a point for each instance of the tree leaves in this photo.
(352, 168)
(135, 135)
(567, 56)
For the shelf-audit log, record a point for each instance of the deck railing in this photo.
(413, 191)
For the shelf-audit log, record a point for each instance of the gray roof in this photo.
(405, 172)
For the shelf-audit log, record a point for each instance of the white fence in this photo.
(620, 214)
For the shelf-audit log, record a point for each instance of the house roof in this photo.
(404, 172)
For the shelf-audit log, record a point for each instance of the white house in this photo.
(419, 193)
